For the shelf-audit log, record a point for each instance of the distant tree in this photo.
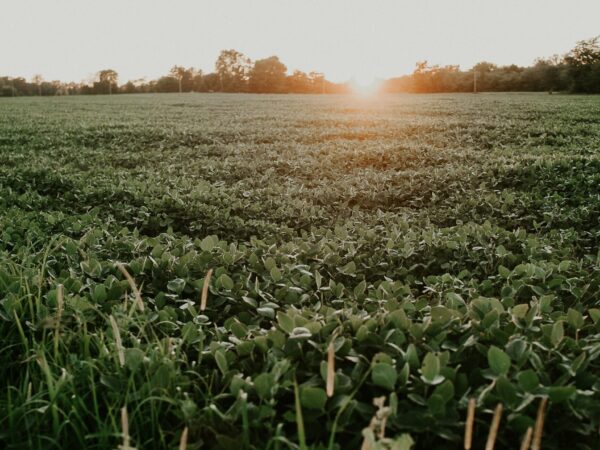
(299, 82)
(233, 68)
(197, 81)
(485, 67)
(107, 82)
(166, 84)
(178, 72)
(129, 88)
(268, 75)
(583, 63)
(318, 82)
(38, 80)
(211, 82)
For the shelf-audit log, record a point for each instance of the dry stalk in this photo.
(469, 424)
(183, 440)
(527, 439)
(539, 425)
(204, 297)
(125, 429)
(330, 369)
(60, 302)
(118, 342)
(377, 424)
(491, 441)
(134, 288)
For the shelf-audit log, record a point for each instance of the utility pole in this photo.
(474, 81)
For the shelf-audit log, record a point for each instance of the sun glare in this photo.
(365, 85)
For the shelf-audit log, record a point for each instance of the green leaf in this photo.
(263, 384)
(498, 360)
(436, 404)
(557, 334)
(226, 281)
(520, 311)
(430, 369)
(100, 295)
(275, 274)
(266, 311)
(221, 361)
(506, 391)
(177, 285)
(559, 394)
(528, 380)
(595, 315)
(360, 288)
(445, 391)
(349, 269)
(441, 314)
(313, 397)
(133, 358)
(207, 244)
(384, 375)
(300, 333)
(564, 266)
(574, 318)
(400, 319)
(285, 322)
(403, 375)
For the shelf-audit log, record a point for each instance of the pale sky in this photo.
(70, 40)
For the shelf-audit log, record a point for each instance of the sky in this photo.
(70, 40)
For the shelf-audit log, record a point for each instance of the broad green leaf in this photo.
(558, 333)
(498, 360)
(384, 375)
(575, 319)
(528, 380)
(275, 274)
(226, 281)
(207, 244)
(506, 391)
(559, 394)
(285, 322)
(263, 384)
(430, 369)
(313, 397)
(221, 361)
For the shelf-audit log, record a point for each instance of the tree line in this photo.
(577, 71)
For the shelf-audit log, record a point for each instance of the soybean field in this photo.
(242, 271)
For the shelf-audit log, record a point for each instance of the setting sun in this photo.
(365, 84)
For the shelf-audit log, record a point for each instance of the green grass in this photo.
(447, 245)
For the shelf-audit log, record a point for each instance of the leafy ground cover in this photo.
(428, 249)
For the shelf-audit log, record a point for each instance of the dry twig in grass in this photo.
(330, 369)
(527, 439)
(125, 430)
(469, 424)
(376, 428)
(134, 288)
(539, 425)
(183, 440)
(491, 441)
(118, 342)
(204, 297)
